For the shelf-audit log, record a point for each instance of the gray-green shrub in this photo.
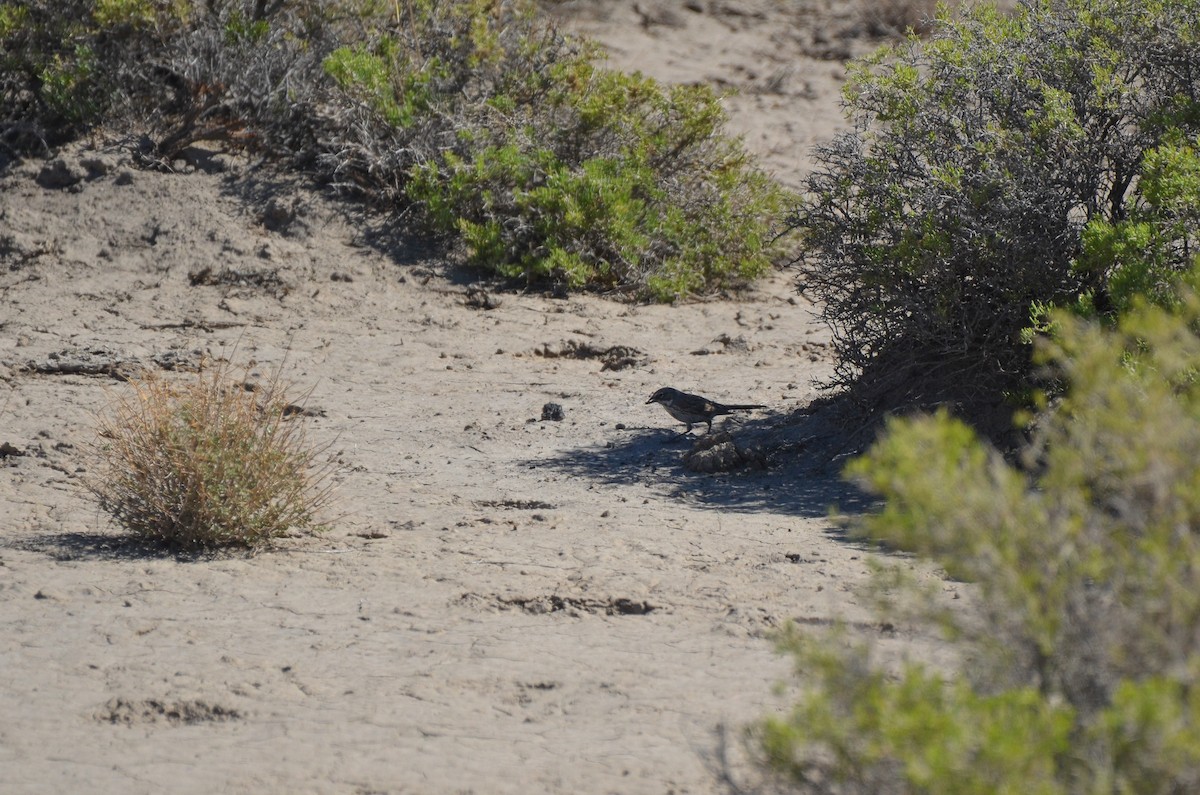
(1081, 660)
(958, 202)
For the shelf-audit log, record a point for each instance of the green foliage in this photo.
(241, 28)
(958, 202)
(557, 168)
(1082, 661)
(12, 18)
(67, 84)
(1152, 726)
(109, 13)
(916, 732)
(563, 209)
(859, 730)
(1142, 255)
(368, 77)
(206, 464)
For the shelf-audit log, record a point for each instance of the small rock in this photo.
(552, 411)
(280, 216)
(479, 298)
(717, 452)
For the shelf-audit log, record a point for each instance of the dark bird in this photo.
(693, 409)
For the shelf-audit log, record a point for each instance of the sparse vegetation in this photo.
(207, 463)
(473, 119)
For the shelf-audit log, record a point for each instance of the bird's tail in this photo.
(745, 406)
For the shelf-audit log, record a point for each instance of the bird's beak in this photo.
(651, 400)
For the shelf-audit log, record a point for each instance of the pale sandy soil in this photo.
(503, 604)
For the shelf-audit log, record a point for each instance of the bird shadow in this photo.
(792, 465)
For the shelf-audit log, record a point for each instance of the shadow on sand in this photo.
(800, 458)
(65, 546)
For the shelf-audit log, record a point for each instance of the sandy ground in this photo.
(503, 603)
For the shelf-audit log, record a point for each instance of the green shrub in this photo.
(546, 165)
(368, 77)
(1081, 660)
(12, 18)
(67, 83)
(208, 463)
(861, 731)
(958, 202)
(1142, 255)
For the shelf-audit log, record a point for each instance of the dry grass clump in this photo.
(208, 463)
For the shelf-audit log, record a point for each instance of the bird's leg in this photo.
(681, 434)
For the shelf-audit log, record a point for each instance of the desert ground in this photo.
(502, 603)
